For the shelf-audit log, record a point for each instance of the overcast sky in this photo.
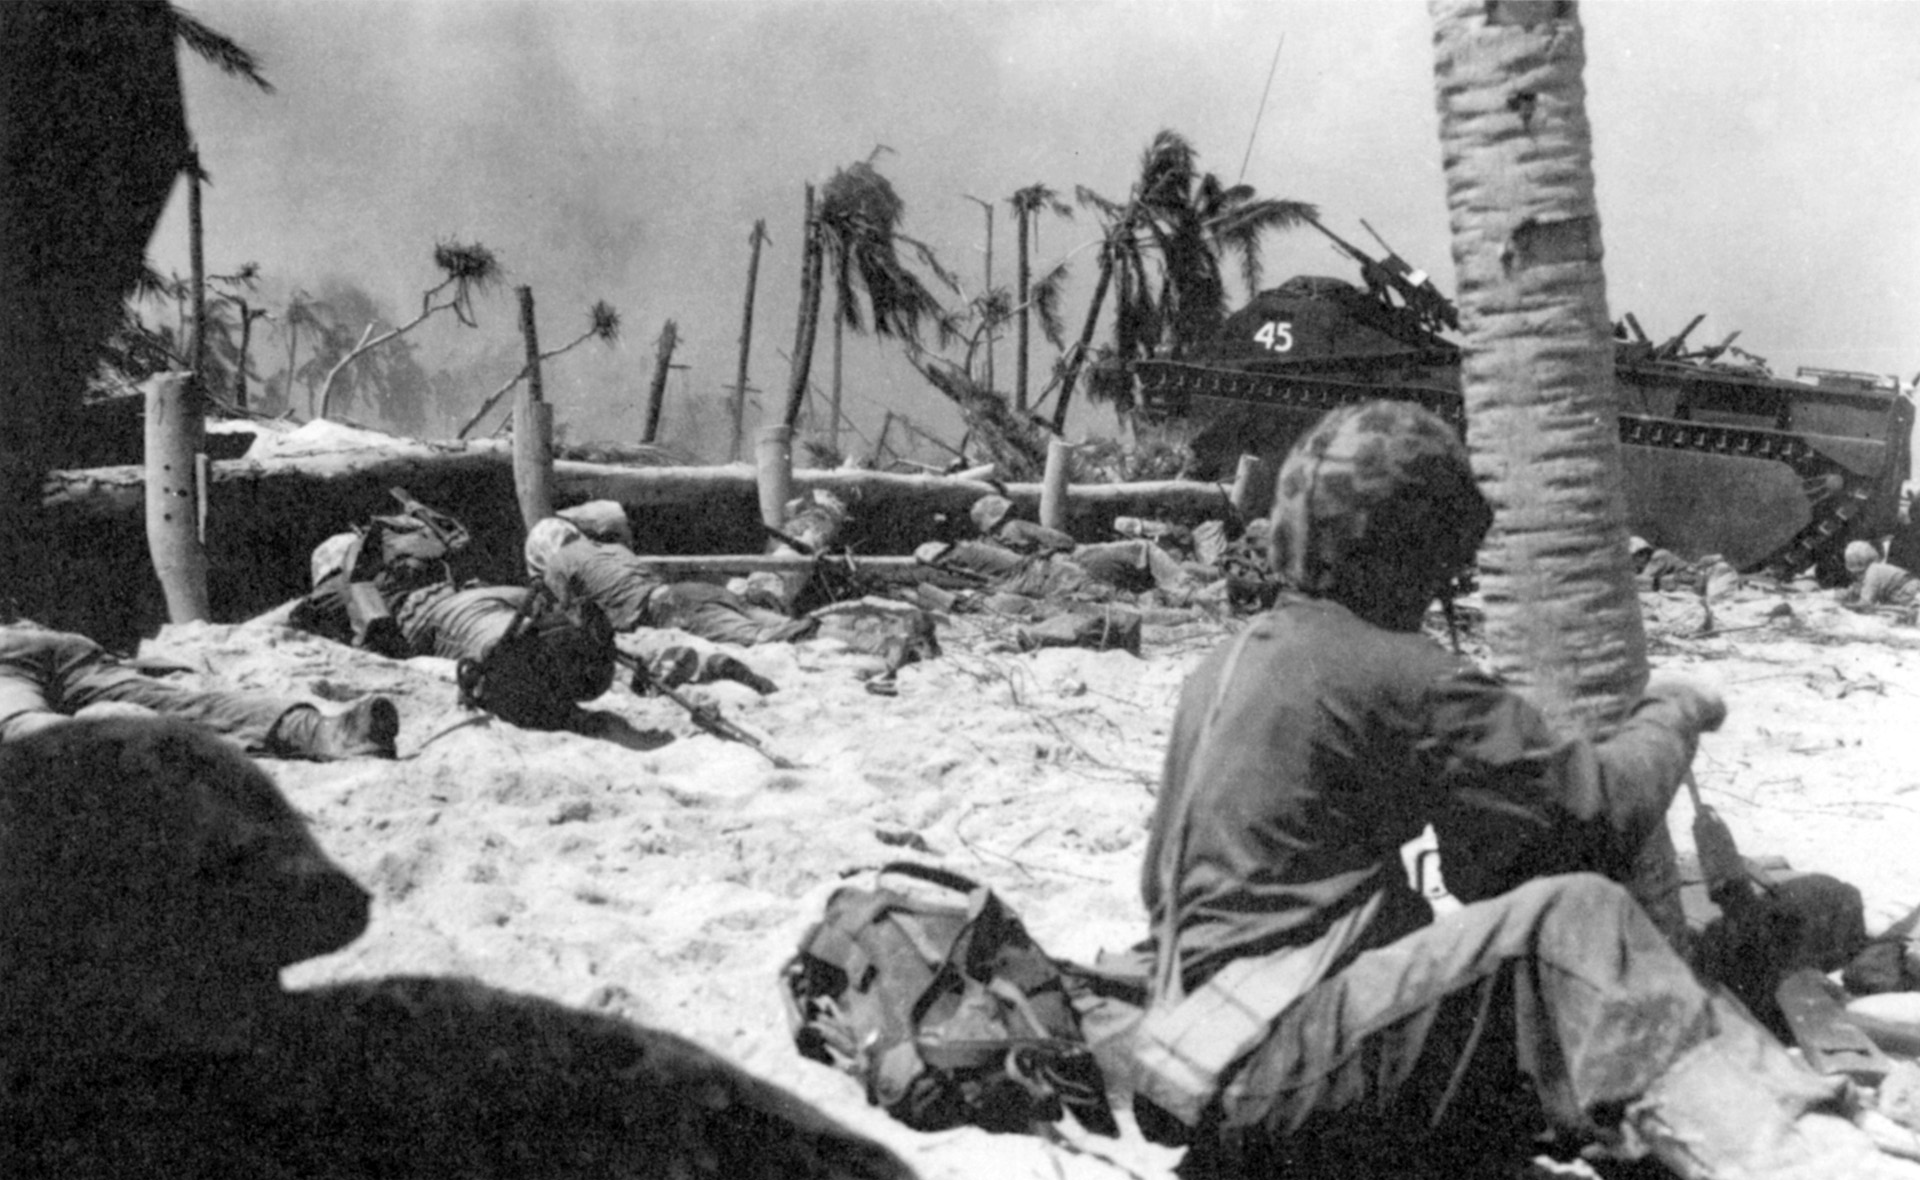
(1755, 161)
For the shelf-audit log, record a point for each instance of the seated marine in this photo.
(1313, 1015)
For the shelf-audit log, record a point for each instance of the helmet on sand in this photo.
(545, 539)
(1376, 508)
(988, 511)
(604, 521)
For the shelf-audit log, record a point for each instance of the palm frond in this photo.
(1110, 209)
(151, 284)
(222, 51)
(467, 263)
(605, 321)
(1044, 292)
(1238, 230)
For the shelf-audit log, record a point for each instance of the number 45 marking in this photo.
(1275, 336)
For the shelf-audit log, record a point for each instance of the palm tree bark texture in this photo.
(1562, 615)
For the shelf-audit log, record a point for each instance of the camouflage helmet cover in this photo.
(988, 511)
(1858, 555)
(1380, 490)
(545, 539)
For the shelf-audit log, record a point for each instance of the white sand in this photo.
(666, 878)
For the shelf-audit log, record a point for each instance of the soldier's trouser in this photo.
(713, 612)
(1132, 566)
(52, 672)
(1552, 1006)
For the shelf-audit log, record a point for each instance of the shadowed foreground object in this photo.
(152, 883)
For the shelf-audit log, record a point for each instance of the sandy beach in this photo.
(663, 875)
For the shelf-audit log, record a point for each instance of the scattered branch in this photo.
(603, 325)
(468, 268)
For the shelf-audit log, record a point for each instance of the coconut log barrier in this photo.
(92, 572)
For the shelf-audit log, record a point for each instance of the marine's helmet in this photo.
(1859, 555)
(1376, 508)
(545, 539)
(604, 521)
(988, 511)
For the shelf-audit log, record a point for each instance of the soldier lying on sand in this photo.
(46, 677)
(392, 589)
(636, 598)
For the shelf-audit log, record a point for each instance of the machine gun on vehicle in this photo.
(1394, 274)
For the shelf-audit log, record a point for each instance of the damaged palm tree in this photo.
(1026, 203)
(603, 324)
(468, 267)
(1015, 443)
(1163, 250)
(855, 225)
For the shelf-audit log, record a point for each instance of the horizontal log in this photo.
(265, 515)
(111, 492)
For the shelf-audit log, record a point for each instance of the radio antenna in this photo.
(1263, 108)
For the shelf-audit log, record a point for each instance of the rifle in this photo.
(1417, 293)
(705, 715)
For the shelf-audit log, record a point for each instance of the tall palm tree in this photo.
(1027, 204)
(856, 225)
(1563, 618)
(1163, 251)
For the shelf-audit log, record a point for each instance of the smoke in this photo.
(623, 150)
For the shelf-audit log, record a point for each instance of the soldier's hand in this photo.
(1701, 704)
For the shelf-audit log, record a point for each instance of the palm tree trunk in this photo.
(1563, 618)
(746, 340)
(657, 389)
(809, 323)
(1026, 278)
(246, 341)
(839, 371)
(1079, 355)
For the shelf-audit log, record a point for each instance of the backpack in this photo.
(411, 548)
(943, 1005)
(551, 658)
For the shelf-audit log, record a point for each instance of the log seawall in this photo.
(90, 571)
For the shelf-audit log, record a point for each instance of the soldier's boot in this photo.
(366, 730)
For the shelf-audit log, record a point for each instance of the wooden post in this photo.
(657, 392)
(532, 430)
(839, 345)
(196, 258)
(886, 427)
(1252, 493)
(247, 315)
(1025, 278)
(1053, 486)
(773, 461)
(173, 512)
(746, 341)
